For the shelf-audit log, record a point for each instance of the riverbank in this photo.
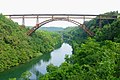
(18, 48)
(38, 65)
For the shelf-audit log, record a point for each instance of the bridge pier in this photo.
(23, 21)
(52, 17)
(100, 22)
(9, 17)
(37, 21)
(83, 19)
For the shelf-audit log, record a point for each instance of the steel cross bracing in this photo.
(60, 17)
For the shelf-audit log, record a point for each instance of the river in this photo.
(38, 66)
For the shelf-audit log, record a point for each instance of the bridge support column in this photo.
(83, 19)
(23, 21)
(68, 18)
(52, 17)
(10, 17)
(37, 21)
(100, 22)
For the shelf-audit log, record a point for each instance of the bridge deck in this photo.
(57, 15)
(61, 17)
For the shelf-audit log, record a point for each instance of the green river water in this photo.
(38, 66)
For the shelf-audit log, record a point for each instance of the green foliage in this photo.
(95, 22)
(74, 34)
(109, 32)
(52, 29)
(25, 75)
(51, 68)
(97, 58)
(17, 48)
(92, 61)
(12, 78)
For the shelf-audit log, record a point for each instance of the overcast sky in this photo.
(58, 6)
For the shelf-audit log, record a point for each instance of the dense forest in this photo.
(52, 29)
(96, 58)
(73, 34)
(17, 48)
(93, 58)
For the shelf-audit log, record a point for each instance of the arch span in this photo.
(33, 29)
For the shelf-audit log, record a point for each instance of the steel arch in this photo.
(33, 29)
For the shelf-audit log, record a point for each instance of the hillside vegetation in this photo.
(97, 58)
(17, 48)
(52, 29)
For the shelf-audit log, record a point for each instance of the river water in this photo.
(38, 66)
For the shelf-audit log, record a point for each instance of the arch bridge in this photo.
(60, 17)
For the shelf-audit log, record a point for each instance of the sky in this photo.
(57, 7)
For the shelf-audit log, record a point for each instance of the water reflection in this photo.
(57, 57)
(17, 71)
(37, 66)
